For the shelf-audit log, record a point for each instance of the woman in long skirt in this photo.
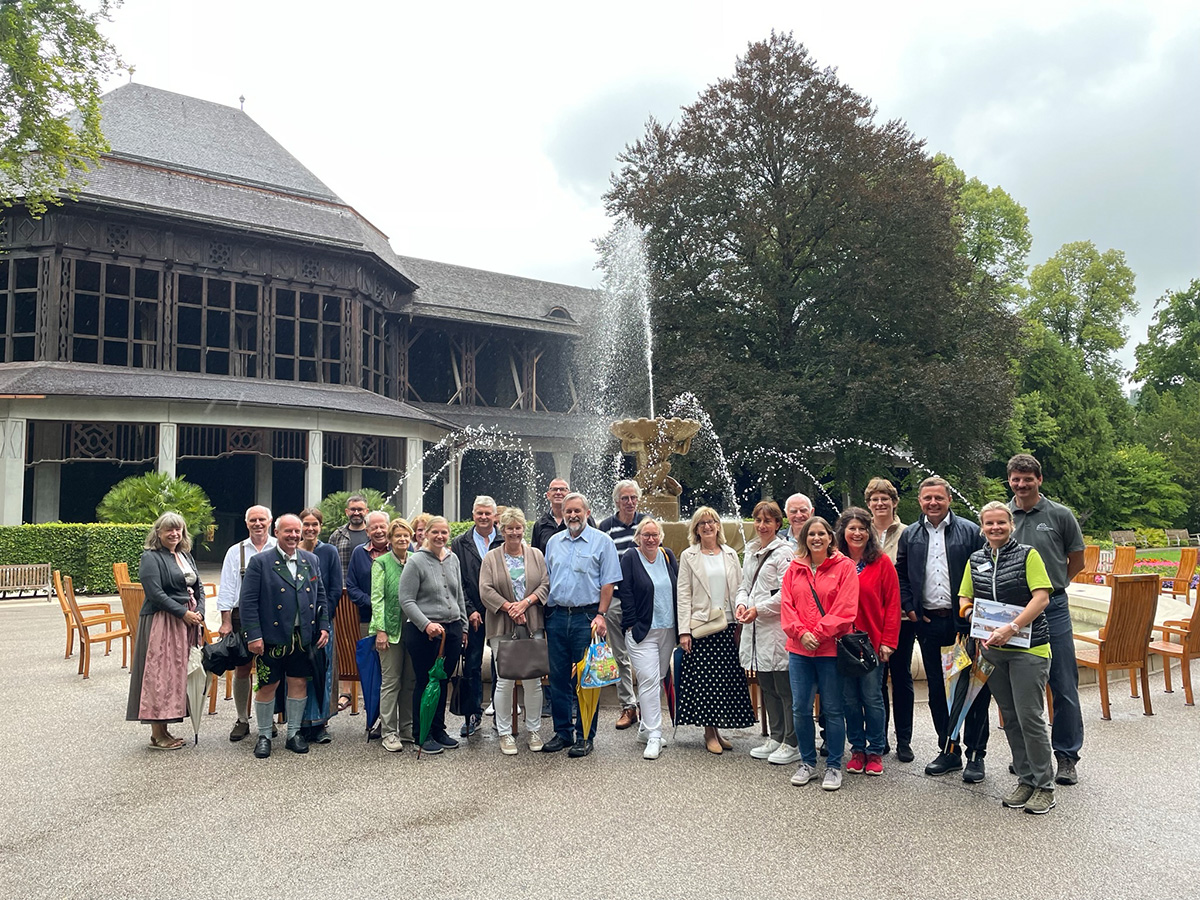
(712, 684)
(169, 626)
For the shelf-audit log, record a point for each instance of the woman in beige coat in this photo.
(513, 585)
(712, 689)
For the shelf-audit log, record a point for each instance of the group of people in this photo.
(776, 615)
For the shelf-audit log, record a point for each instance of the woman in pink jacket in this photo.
(820, 602)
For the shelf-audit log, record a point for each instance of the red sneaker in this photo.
(858, 759)
(874, 764)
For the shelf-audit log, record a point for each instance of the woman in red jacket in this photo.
(820, 602)
(879, 617)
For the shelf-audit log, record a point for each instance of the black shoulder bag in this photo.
(855, 655)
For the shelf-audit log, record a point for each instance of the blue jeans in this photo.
(808, 675)
(1067, 728)
(862, 699)
(568, 634)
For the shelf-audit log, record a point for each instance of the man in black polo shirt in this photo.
(620, 527)
(1052, 530)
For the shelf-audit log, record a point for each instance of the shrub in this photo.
(143, 498)
(333, 508)
(85, 552)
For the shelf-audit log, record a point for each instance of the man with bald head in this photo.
(258, 523)
(284, 615)
(798, 509)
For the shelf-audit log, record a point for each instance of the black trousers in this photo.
(932, 635)
(899, 673)
(424, 653)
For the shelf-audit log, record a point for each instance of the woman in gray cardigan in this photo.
(170, 624)
(513, 585)
(432, 599)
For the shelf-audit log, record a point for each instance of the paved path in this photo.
(89, 811)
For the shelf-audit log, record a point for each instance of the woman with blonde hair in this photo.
(170, 624)
(513, 585)
(387, 622)
(712, 688)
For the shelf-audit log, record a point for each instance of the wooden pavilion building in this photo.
(209, 307)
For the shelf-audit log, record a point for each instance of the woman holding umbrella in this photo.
(396, 687)
(878, 616)
(170, 624)
(649, 574)
(513, 585)
(712, 686)
(1014, 575)
(431, 598)
(820, 603)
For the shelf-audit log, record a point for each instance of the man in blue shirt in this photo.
(583, 566)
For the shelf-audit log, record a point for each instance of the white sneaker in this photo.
(508, 745)
(804, 775)
(784, 755)
(765, 750)
(393, 744)
(535, 741)
(491, 710)
(833, 780)
(643, 735)
(653, 748)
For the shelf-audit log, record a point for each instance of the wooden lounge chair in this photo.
(1124, 640)
(346, 633)
(86, 639)
(1091, 565)
(1185, 649)
(121, 573)
(132, 598)
(72, 628)
(1182, 582)
(1123, 559)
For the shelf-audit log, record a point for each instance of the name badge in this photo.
(986, 567)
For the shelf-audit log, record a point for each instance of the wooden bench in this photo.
(25, 579)
(1128, 537)
(1178, 537)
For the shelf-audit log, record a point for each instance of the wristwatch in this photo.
(1016, 629)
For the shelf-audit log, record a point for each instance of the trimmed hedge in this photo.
(85, 552)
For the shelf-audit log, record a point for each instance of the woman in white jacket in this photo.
(712, 688)
(764, 646)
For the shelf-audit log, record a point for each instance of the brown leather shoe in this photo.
(713, 743)
(724, 741)
(629, 716)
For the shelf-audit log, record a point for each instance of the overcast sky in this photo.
(484, 134)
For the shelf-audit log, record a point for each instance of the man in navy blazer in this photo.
(284, 614)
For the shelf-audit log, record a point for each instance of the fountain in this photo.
(653, 441)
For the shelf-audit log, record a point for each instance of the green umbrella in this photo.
(431, 695)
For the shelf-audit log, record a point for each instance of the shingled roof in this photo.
(490, 298)
(195, 159)
(71, 380)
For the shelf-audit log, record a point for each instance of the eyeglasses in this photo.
(708, 522)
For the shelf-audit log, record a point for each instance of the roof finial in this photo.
(242, 100)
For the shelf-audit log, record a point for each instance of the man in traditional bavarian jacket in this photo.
(284, 614)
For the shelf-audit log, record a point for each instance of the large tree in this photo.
(53, 59)
(1083, 296)
(995, 231)
(1170, 357)
(805, 271)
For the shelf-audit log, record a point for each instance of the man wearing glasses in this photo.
(620, 527)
